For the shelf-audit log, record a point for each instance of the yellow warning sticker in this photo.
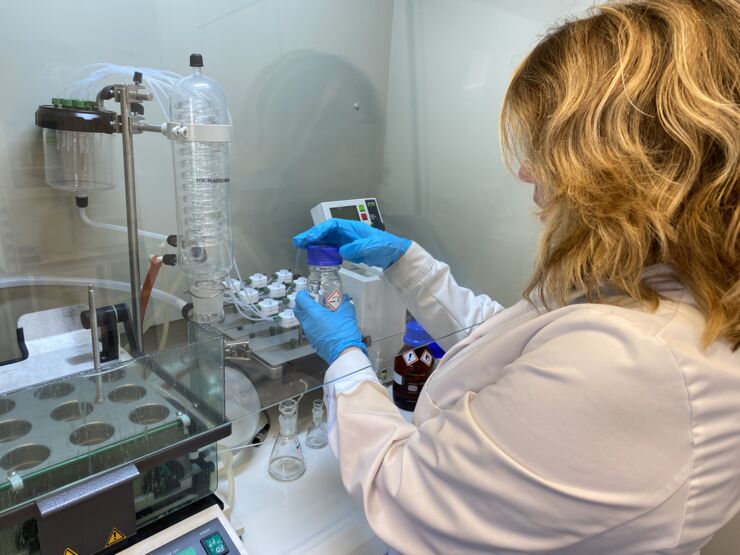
(69, 551)
(115, 536)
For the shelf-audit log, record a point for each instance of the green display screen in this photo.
(345, 212)
(188, 551)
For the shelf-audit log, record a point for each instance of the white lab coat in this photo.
(590, 429)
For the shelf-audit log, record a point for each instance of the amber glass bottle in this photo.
(414, 363)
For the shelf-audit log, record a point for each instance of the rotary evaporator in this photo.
(93, 429)
(96, 429)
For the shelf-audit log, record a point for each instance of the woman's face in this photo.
(527, 175)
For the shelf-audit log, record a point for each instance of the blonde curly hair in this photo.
(630, 119)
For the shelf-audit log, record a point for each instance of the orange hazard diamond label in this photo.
(115, 536)
(69, 551)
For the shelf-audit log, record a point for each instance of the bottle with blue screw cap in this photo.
(413, 365)
(324, 283)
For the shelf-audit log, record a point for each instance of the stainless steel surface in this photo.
(148, 414)
(57, 345)
(52, 358)
(265, 342)
(93, 311)
(24, 457)
(112, 376)
(92, 434)
(50, 323)
(149, 127)
(65, 426)
(132, 222)
(71, 410)
(11, 430)
(127, 393)
(54, 390)
(6, 405)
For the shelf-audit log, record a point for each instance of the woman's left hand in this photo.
(329, 332)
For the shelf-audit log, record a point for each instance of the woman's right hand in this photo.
(358, 242)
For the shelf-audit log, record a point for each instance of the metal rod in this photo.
(93, 307)
(149, 127)
(131, 218)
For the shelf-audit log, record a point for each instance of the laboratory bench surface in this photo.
(309, 516)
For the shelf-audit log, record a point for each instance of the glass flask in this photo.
(208, 301)
(413, 365)
(316, 438)
(324, 283)
(286, 460)
(78, 162)
(202, 178)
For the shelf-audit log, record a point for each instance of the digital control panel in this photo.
(193, 536)
(207, 539)
(362, 209)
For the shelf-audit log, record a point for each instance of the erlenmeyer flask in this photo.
(286, 460)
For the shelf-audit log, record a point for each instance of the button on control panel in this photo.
(209, 538)
(214, 545)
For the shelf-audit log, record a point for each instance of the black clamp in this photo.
(108, 319)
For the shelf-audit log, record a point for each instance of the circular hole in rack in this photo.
(54, 390)
(13, 429)
(110, 377)
(25, 457)
(71, 410)
(92, 434)
(149, 414)
(6, 405)
(127, 393)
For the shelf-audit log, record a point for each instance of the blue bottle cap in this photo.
(416, 336)
(437, 351)
(323, 255)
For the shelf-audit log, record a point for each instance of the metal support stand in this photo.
(132, 222)
(94, 336)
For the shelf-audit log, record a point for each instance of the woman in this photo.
(601, 415)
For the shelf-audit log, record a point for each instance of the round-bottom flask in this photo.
(286, 460)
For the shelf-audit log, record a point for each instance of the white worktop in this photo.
(310, 516)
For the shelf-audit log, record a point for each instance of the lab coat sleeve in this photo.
(351, 369)
(429, 291)
(579, 436)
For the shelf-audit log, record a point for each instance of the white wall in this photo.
(292, 71)
(444, 183)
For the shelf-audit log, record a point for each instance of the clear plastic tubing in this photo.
(324, 283)
(66, 281)
(201, 178)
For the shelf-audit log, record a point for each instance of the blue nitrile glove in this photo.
(358, 241)
(329, 332)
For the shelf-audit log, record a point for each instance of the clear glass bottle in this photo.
(413, 365)
(286, 460)
(324, 283)
(316, 438)
(201, 178)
